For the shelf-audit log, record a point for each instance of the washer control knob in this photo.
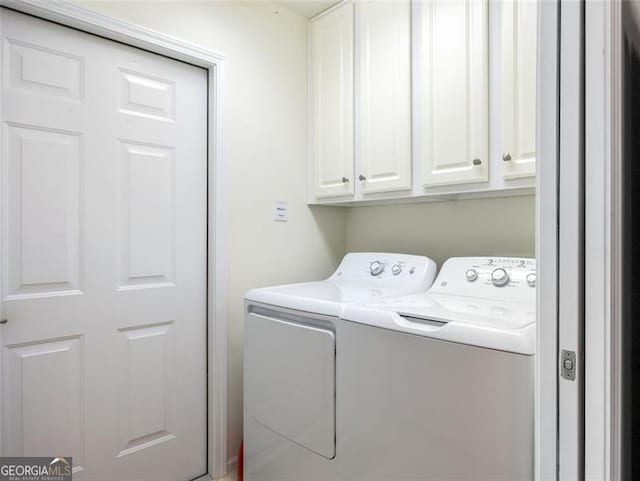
(376, 268)
(396, 269)
(471, 275)
(531, 279)
(499, 277)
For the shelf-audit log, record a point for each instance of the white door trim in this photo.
(547, 148)
(603, 239)
(571, 240)
(137, 36)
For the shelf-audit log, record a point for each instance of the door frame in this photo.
(603, 240)
(80, 18)
(602, 255)
(571, 255)
(547, 243)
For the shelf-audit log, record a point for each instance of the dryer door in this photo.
(290, 380)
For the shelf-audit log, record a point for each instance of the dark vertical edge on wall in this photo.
(630, 186)
(581, 265)
(557, 214)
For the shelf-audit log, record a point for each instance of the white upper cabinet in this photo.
(332, 37)
(384, 94)
(518, 92)
(453, 117)
(399, 99)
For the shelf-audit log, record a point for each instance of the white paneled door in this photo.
(104, 255)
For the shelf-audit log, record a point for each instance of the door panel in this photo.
(453, 93)
(44, 185)
(518, 92)
(147, 402)
(332, 102)
(385, 95)
(105, 248)
(48, 369)
(146, 96)
(40, 70)
(147, 207)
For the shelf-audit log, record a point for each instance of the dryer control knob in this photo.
(471, 275)
(376, 268)
(396, 269)
(531, 279)
(499, 277)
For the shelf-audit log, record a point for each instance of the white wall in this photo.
(266, 47)
(492, 227)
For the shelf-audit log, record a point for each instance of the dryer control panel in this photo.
(386, 269)
(509, 278)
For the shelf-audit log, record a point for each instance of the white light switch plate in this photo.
(280, 213)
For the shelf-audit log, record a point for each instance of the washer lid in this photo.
(505, 326)
(470, 310)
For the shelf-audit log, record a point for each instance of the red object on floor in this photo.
(240, 460)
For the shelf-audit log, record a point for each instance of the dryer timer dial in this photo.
(376, 268)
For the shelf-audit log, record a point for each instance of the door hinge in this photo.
(568, 364)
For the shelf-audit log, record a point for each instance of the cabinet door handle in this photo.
(4, 321)
(477, 162)
(362, 178)
(506, 156)
(345, 180)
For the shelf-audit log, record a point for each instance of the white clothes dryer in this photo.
(290, 362)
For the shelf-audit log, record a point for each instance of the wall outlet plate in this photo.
(281, 213)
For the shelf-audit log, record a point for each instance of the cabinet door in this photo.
(385, 94)
(332, 102)
(518, 88)
(452, 82)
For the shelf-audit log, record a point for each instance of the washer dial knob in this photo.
(499, 277)
(471, 275)
(376, 268)
(531, 279)
(396, 269)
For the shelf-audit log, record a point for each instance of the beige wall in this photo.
(266, 145)
(266, 47)
(501, 226)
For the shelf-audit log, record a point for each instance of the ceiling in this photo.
(307, 8)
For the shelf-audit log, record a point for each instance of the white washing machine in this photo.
(440, 386)
(290, 362)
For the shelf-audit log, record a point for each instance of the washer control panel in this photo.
(490, 277)
(499, 277)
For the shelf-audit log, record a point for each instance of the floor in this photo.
(231, 477)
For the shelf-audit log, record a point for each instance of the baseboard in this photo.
(232, 469)
(203, 478)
